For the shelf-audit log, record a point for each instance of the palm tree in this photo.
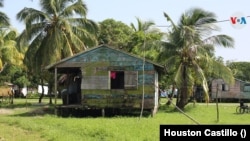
(8, 51)
(4, 22)
(145, 39)
(59, 30)
(4, 19)
(142, 26)
(189, 51)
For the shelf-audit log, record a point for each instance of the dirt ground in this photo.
(39, 110)
(4, 111)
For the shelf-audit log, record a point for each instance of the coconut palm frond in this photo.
(203, 81)
(220, 40)
(221, 71)
(59, 29)
(193, 43)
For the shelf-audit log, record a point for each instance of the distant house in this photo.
(240, 90)
(108, 78)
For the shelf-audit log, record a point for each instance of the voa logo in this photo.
(238, 20)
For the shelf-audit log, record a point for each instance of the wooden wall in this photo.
(96, 85)
(226, 91)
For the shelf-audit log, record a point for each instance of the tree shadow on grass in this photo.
(95, 113)
(31, 109)
(171, 108)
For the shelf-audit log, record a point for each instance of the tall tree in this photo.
(60, 29)
(240, 70)
(8, 51)
(4, 19)
(145, 39)
(4, 22)
(114, 33)
(189, 50)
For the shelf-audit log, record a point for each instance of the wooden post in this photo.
(55, 90)
(217, 106)
(103, 112)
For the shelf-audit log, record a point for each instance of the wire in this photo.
(211, 22)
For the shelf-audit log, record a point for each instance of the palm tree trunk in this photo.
(41, 96)
(182, 99)
(50, 91)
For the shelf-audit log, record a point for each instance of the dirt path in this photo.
(4, 111)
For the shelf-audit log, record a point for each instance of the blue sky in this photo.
(127, 11)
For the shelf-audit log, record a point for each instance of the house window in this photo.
(225, 87)
(117, 79)
(246, 88)
(123, 79)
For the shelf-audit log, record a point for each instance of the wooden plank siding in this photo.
(111, 78)
(225, 91)
(6, 94)
(97, 92)
(96, 85)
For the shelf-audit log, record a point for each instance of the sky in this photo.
(127, 11)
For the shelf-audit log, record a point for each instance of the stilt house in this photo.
(107, 78)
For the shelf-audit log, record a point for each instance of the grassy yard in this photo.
(27, 120)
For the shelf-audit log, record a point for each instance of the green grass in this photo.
(31, 121)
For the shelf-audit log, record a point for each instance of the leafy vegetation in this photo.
(240, 70)
(114, 33)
